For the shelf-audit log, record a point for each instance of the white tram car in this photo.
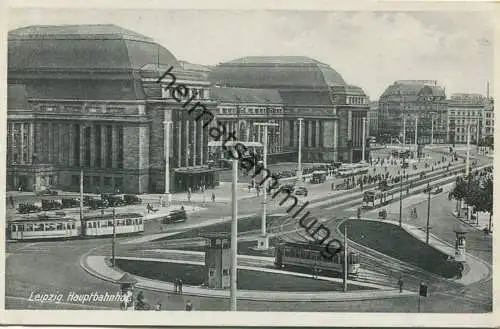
(46, 227)
(43, 228)
(102, 225)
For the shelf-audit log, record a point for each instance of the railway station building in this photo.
(87, 97)
(331, 109)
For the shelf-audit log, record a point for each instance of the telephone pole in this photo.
(345, 256)
(234, 236)
(428, 212)
(113, 241)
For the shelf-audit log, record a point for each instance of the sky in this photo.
(371, 49)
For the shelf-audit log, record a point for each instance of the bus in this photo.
(347, 170)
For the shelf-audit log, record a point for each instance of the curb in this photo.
(308, 298)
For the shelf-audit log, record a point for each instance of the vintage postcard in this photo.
(317, 164)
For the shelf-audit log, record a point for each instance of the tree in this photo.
(459, 192)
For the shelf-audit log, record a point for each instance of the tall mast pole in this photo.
(234, 236)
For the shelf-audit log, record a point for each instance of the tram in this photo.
(102, 225)
(43, 228)
(308, 255)
(46, 227)
(373, 199)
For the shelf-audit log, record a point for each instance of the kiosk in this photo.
(218, 259)
(460, 244)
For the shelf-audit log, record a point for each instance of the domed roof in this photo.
(281, 72)
(83, 47)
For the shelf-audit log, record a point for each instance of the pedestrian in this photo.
(213, 197)
(180, 286)
(189, 195)
(176, 285)
(400, 284)
(189, 306)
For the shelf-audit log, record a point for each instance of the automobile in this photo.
(113, 200)
(97, 203)
(175, 216)
(288, 188)
(51, 205)
(131, 199)
(47, 192)
(301, 191)
(70, 203)
(25, 208)
(437, 190)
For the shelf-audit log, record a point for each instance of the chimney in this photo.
(488, 90)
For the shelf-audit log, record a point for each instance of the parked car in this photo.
(97, 203)
(51, 205)
(301, 191)
(131, 199)
(70, 203)
(175, 216)
(113, 200)
(47, 192)
(25, 208)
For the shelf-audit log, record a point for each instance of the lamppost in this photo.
(428, 212)
(299, 170)
(401, 192)
(432, 127)
(166, 145)
(263, 242)
(364, 139)
(234, 236)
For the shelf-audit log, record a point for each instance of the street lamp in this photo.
(166, 145)
(263, 242)
(401, 192)
(234, 236)
(299, 173)
(428, 212)
(364, 139)
(432, 127)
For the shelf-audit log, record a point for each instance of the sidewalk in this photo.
(476, 270)
(97, 266)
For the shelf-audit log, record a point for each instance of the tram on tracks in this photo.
(44, 227)
(374, 199)
(102, 225)
(308, 255)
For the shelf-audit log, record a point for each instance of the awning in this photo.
(231, 143)
(196, 170)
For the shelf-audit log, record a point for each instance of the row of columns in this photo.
(309, 126)
(18, 145)
(192, 132)
(55, 144)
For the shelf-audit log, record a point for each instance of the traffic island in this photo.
(395, 242)
(248, 279)
(269, 281)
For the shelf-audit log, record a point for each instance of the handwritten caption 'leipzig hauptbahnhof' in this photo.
(238, 151)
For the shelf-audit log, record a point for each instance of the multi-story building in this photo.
(331, 110)
(373, 119)
(414, 101)
(87, 97)
(488, 120)
(464, 110)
